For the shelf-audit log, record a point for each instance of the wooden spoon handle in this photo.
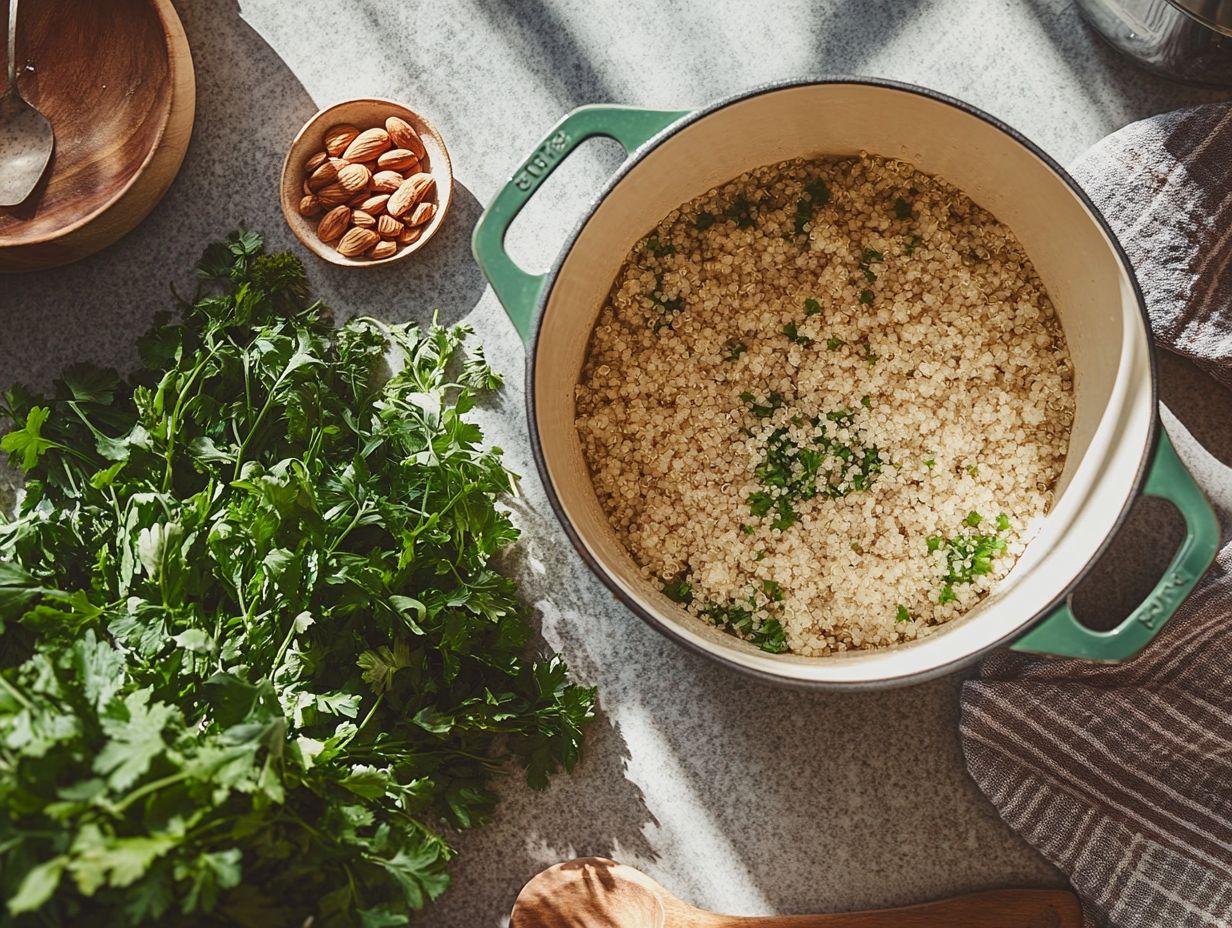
(1004, 908)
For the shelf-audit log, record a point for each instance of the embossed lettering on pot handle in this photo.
(1062, 635)
(517, 289)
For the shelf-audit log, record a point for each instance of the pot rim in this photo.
(658, 622)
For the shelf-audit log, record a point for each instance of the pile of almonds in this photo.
(373, 187)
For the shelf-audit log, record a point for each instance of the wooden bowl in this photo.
(364, 113)
(116, 81)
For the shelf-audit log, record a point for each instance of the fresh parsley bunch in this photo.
(254, 657)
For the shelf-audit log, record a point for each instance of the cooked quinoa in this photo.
(825, 405)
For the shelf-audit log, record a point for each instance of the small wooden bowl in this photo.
(363, 113)
(116, 81)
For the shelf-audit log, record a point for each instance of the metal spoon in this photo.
(26, 138)
(594, 892)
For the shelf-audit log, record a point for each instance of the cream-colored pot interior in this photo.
(1079, 265)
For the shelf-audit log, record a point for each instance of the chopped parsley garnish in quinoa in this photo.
(741, 619)
(794, 335)
(969, 556)
(741, 212)
(667, 307)
(679, 591)
(871, 256)
(832, 462)
(816, 195)
(765, 408)
(658, 249)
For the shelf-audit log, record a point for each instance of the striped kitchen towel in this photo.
(1121, 775)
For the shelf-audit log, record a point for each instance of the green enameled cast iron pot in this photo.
(1117, 447)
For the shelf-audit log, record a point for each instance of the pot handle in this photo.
(518, 291)
(1062, 635)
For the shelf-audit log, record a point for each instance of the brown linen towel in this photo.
(1122, 775)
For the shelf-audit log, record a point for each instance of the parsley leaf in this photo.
(679, 591)
(27, 444)
(740, 211)
(771, 637)
(793, 335)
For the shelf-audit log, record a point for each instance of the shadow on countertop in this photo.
(593, 812)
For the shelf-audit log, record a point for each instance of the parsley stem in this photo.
(367, 718)
(173, 421)
(152, 787)
(276, 664)
(265, 408)
(16, 693)
(360, 512)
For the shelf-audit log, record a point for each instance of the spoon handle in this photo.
(1006, 908)
(11, 86)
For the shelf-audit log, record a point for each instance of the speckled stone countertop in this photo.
(736, 795)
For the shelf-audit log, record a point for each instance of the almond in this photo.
(309, 205)
(338, 138)
(383, 249)
(354, 178)
(358, 201)
(398, 159)
(332, 196)
(357, 241)
(334, 223)
(324, 175)
(368, 144)
(375, 205)
(388, 227)
(422, 214)
(410, 234)
(362, 220)
(402, 135)
(386, 181)
(307, 190)
(316, 161)
(410, 192)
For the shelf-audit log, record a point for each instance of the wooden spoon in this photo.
(26, 139)
(594, 892)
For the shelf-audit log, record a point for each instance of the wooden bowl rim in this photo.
(290, 211)
(161, 9)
